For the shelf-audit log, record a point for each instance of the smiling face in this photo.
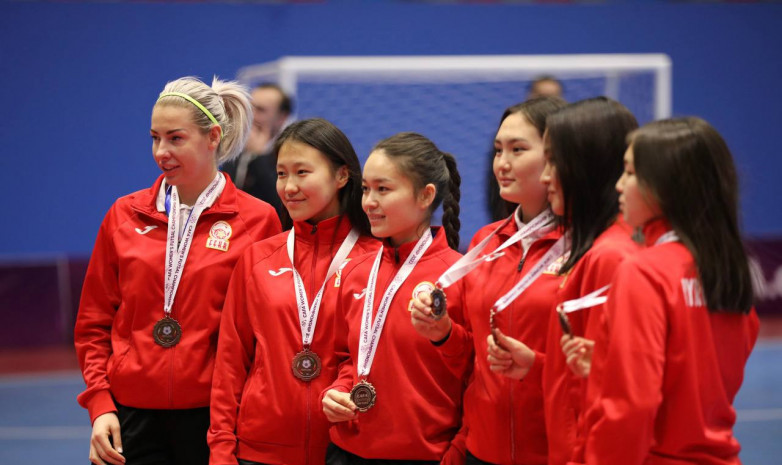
(182, 151)
(307, 183)
(518, 164)
(394, 208)
(636, 203)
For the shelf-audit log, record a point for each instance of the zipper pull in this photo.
(396, 255)
(521, 263)
(314, 228)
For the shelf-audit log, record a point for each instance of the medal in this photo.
(306, 365)
(363, 395)
(167, 332)
(438, 303)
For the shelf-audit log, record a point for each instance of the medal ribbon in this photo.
(308, 316)
(541, 224)
(176, 256)
(556, 251)
(669, 236)
(589, 300)
(366, 345)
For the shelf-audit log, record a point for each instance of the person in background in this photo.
(276, 349)
(146, 331)
(680, 323)
(545, 86)
(254, 170)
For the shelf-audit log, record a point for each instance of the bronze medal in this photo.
(363, 395)
(306, 365)
(438, 304)
(564, 321)
(167, 332)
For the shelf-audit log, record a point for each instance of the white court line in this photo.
(44, 432)
(758, 414)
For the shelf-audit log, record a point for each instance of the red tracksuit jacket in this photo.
(419, 400)
(122, 299)
(671, 368)
(504, 416)
(564, 392)
(260, 411)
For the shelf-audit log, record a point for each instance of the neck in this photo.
(402, 239)
(528, 215)
(188, 194)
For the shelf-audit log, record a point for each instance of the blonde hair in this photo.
(227, 101)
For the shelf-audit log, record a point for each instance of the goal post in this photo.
(456, 100)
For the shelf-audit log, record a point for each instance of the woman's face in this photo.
(519, 163)
(307, 183)
(550, 178)
(182, 151)
(394, 209)
(636, 203)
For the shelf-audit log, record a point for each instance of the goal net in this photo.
(456, 101)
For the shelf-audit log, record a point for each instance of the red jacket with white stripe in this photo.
(122, 299)
(260, 412)
(671, 368)
(504, 416)
(419, 400)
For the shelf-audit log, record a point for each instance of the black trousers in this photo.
(163, 437)
(473, 460)
(337, 456)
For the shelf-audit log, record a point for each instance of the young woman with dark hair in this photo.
(511, 264)
(276, 350)
(585, 144)
(679, 323)
(408, 408)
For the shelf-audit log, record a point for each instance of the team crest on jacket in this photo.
(424, 286)
(554, 267)
(338, 278)
(219, 235)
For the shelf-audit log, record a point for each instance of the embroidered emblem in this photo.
(145, 230)
(219, 235)
(338, 277)
(494, 256)
(362, 294)
(557, 264)
(280, 271)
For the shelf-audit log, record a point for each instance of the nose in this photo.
(290, 187)
(620, 183)
(160, 151)
(368, 201)
(545, 176)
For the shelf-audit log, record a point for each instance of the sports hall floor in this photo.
(41, 423)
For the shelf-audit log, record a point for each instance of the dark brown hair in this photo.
(687, 166)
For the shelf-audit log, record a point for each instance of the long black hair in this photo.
(421, 161)
(587, 145)
(323, 136)
(687, 166)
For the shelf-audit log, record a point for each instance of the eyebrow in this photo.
(514, 139)
(167, 132)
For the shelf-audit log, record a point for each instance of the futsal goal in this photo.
(456, 100)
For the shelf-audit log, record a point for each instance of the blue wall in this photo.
(78, 81)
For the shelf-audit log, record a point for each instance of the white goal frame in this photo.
(286, 70)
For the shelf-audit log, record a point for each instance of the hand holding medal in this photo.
(428, 312)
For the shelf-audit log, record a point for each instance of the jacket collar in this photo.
(655, 228)
(145, 201)
(326, 231)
